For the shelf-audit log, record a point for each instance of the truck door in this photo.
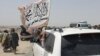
(38, 50)
(47, 50)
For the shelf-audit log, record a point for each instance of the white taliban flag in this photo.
(35, 15)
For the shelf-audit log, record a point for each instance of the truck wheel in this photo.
(22, 39)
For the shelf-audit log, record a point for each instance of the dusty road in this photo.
(24, 49)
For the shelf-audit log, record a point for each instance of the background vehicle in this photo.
(80, 25)
(70, 42)
(23, 34)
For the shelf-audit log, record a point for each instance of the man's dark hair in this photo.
(12, 30)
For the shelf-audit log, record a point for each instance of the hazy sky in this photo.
(62, 12)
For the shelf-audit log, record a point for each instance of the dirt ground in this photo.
(24, 49)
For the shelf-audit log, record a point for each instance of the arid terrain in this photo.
(24, 49)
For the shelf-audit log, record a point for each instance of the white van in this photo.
(80, 25)
(70, 42)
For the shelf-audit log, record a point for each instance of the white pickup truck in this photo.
(70, 42)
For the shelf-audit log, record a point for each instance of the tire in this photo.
(22, 39)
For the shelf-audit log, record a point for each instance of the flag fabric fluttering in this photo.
(36, 14)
